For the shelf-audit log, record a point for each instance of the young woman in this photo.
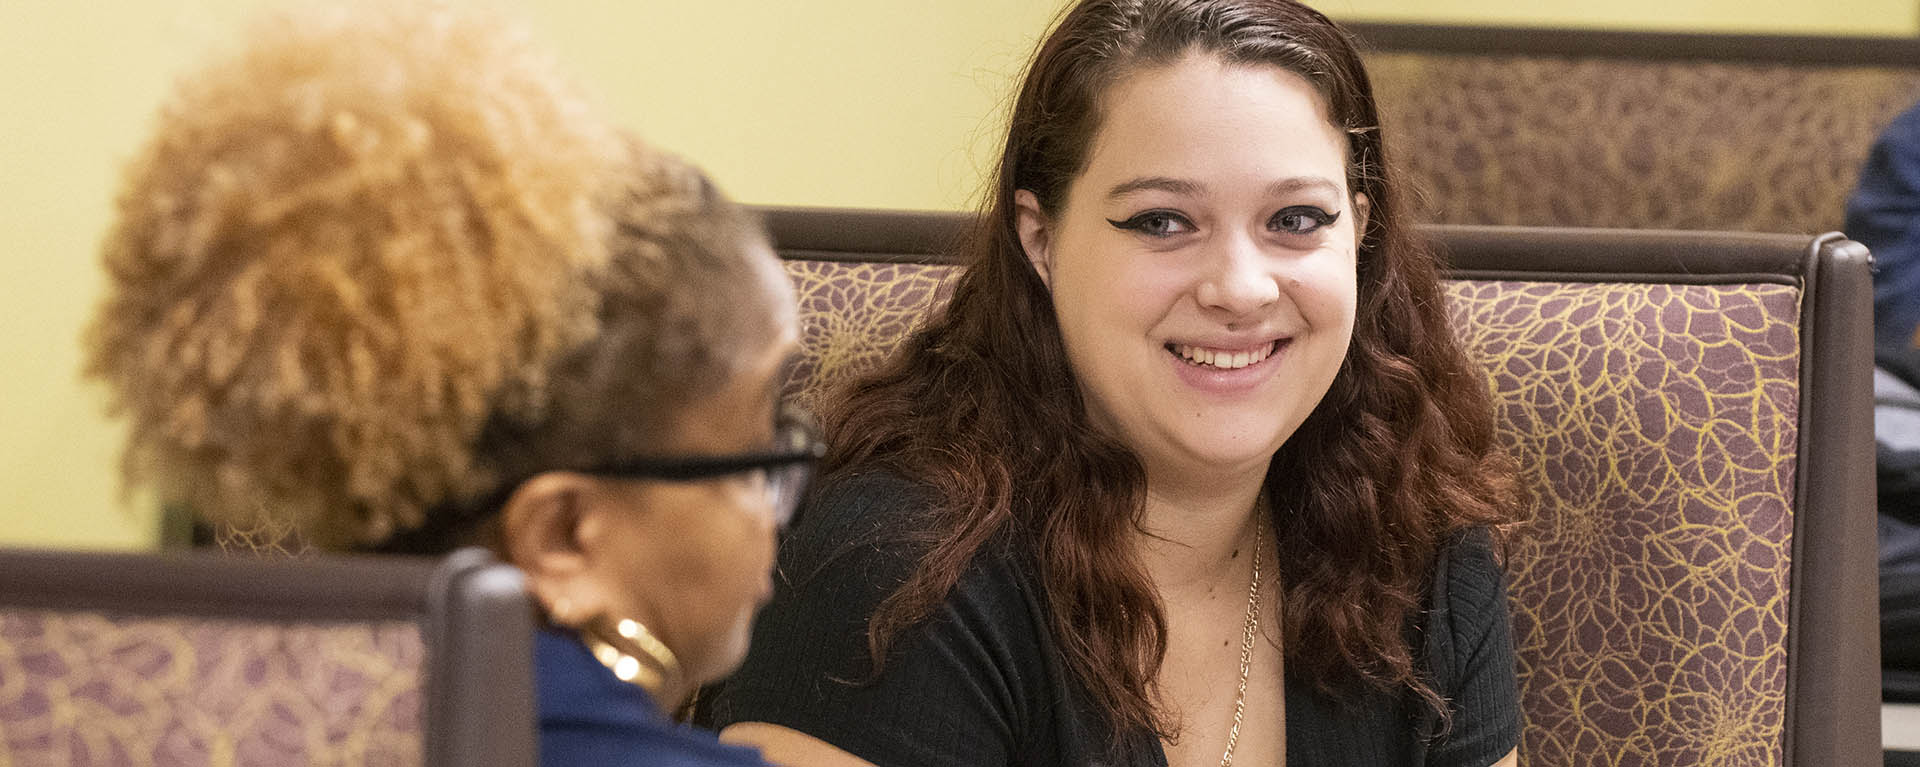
(1191, 470)
(383, 278)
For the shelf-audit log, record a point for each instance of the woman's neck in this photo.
(1195, 533)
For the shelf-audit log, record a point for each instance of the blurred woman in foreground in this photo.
(382, 276)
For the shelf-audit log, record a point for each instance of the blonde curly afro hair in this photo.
(367, 237)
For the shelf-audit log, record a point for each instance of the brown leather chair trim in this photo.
(861, 235)
(479, 682)
(321, 588)
(1895, 52)
(1833, 681)
(1617, 255)
(1470, 252)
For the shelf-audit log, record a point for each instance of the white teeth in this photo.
(1222, 359)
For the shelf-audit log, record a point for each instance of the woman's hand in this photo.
(788, 747)
(1512, 759)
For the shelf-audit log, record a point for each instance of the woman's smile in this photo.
(1224, 359)
(1227, 371)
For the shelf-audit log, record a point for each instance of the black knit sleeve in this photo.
(953, 690)
(1470, 647)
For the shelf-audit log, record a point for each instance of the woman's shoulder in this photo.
(1468, 582)
(876, 495)
(587, 716)
(1469, 652)
(873, 513)
(959, 682)
(879, 523)
(1467, 621)
(1467, 559)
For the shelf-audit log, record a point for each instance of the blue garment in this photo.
(1884, 215)
(590, 717)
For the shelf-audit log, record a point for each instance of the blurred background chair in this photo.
(202, 659)
(1641, 130)
(1693, 414)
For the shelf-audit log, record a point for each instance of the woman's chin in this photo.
(1204, 457)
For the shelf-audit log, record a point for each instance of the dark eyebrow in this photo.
(1178, 186)
(1162, 183)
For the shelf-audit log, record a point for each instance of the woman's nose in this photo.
(1240, 277)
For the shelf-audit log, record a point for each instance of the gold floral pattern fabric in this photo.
(271, 540)
(80, 689)
(1592, 142)
(1657, 427)
(854, 314)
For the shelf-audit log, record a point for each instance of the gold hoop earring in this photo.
(633, 654)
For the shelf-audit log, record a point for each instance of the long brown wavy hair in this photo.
(982, 406)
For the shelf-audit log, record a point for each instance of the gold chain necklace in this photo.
(1246, 644)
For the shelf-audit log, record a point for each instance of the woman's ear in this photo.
(1031, 223)
(1362, 207)
(547, 527)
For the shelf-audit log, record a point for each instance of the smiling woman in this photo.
(1190, 470)
(1207, 232)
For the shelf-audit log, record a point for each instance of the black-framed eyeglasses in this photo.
(784, 470)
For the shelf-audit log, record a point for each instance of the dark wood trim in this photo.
(1617, 255)
(479, 702)
(937, 258)
(1833, 680)
(1467, 252)
(1714, 278)
(866, 234)
(206, 584)
(1893, 52)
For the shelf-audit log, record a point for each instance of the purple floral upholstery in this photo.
(207, 660)
(83, 688)
(1657, 425)
(854, 314)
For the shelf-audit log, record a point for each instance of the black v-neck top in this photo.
(983, 682)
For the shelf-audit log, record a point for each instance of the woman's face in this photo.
(693, 560)
(1203, 265)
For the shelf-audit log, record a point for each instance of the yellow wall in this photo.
(849, 102)
(1833, 17)
(853, 103)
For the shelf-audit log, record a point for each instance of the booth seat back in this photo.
(1557, 127)
(201, 660)
(1692, 416)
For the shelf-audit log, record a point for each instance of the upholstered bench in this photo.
(208, 660)
(1693, 415)
(1560, 127)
